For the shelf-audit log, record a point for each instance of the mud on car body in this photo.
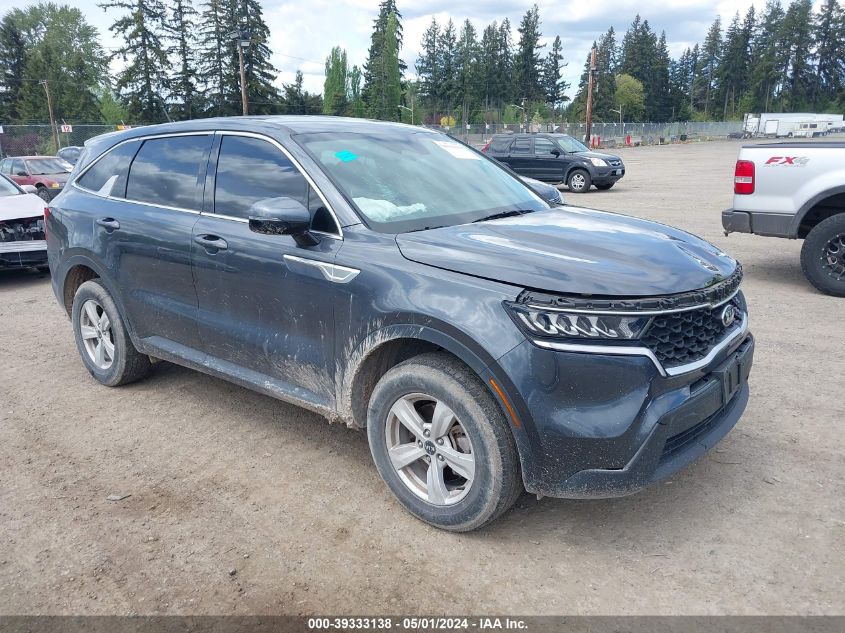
(391, 278)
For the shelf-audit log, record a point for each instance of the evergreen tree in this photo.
(446, 51)
(144, 80)
(357, 108)
(731, 72)
(263, 97)
(336, 85)
(487, 60)
(604, 89)
(708, 63)
(797, 36)
(214, 59)
(384, 92)
(427, 66)
(466, 69)
(505, 87)
(659, 104)
(553, 87)
(380, 43)
(768, 61)
(12, 65)
(830, 52)
(181, 29)
(528, 63)
(297, 100)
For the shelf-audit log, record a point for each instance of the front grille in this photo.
(614, 163)
(685, 337)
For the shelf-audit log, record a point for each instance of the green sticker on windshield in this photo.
(345, 156)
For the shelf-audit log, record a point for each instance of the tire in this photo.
(123, 364)
(44, 194)
(417, 389)
(823, 256)
(579, 181)
(605, 187)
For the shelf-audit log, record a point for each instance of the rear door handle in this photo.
(109, 224)
(211, 243)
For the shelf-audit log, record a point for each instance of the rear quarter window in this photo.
(107, 176)
(500, 145)
(521, 146)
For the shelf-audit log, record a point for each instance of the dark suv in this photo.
(392, 278)
(556, 158)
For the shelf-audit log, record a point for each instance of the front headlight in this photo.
(598, 162)
(577, 325)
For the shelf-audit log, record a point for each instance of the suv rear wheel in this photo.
(823, 256)
(579, 181)
(101, 338)
(442, 445)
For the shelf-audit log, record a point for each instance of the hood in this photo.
(606, 157)
(61, 177)
(574, 251)
(17, 207)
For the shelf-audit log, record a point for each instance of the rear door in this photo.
(265, 303)
(146, 227)
(521, 156)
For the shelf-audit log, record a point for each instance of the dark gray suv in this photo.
(392, 278)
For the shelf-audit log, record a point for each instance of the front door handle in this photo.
(211, 243)
(109, 224)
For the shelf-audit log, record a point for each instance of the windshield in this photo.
(8, 188)
(408, 180)
(41, 166)
(569, 144)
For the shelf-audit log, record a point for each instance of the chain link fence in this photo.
(23, 140)
(606, 134)
(26, 140)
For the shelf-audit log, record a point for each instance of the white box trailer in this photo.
(785, 124)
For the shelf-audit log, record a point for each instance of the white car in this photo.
(22, 239)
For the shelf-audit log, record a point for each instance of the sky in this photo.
(303, 33)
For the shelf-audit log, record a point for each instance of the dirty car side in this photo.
(318, 325)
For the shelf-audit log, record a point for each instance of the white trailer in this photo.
(785, 124)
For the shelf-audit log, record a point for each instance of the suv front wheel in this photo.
(101, 338)
(579, 181)
(440, 442)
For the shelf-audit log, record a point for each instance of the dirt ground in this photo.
(243, 504)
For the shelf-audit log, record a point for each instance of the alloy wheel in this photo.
(429, 449)
(833, 257)
(95, 328)
(577, 181)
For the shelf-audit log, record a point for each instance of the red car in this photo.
(48, 174)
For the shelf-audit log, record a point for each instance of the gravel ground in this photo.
(243, 504)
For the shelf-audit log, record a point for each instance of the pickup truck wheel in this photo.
(44, 194)
(101, 338)
(823, 256)
(579, 181)
(441, 444)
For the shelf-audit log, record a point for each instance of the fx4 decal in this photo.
(797, 161)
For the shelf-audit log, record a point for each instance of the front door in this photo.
(548, 167)
(266, 304)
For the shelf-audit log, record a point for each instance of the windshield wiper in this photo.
(502, 214)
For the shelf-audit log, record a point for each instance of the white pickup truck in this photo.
(797, 191)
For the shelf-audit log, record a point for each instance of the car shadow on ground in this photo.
(21, 277)
(782, 271)
(687, 496)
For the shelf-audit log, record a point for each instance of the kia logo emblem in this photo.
(728, 316)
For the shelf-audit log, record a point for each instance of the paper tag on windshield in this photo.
(457, 150)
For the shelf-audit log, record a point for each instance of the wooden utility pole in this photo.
(243, 79)
(44, 83)
(590, 81)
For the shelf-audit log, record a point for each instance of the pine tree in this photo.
(708, 64)
(427, 66)
(797, 35)
(505, 88)
(446, 50)
(214, 59)
(373, 90)
(181, 29)
(143, 81)
(830, 51)
(731, 72)
(552, 68)
(336, 85)
(528, 63)
(12, 65)
(768, 61)
(659, 104)
(263, 97)
(487, 60)
(357, 108)
(466, 69)
(384, 91)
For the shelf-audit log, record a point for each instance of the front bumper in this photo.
(23, 254)
(596, 426)
(607, 175)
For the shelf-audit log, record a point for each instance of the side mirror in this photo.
(21, 173)
(555, 152)
(282, 216)
(29, 188)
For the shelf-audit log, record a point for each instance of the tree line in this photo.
(179, 60)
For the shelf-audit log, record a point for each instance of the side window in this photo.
(500, 145)
(107, 176)
(251, 169)
(521, 146)
(543, 147)
(18, 167)
(165, 171)
(6, 166)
